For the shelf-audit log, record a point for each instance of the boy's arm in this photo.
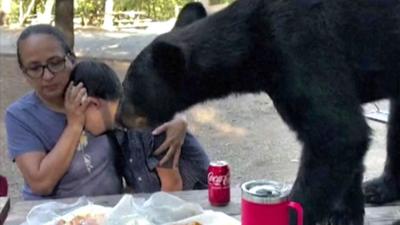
(193, 163)
(175, 131)
(170, 179)
(169, 175)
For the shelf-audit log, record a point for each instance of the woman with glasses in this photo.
(45, 128)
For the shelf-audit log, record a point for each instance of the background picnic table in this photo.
(131, 19)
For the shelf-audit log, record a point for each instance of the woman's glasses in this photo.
(54, 65)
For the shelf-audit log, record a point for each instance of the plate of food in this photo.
(86, 215)
(159, 209)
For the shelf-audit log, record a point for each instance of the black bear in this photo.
(319, 61)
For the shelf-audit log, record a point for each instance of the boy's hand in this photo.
(75, 104)
(175, 136)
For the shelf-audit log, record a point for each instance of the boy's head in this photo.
(104, 91)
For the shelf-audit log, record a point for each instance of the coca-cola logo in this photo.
(218, 180)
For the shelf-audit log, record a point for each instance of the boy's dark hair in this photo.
(99, 80)
(44, 29)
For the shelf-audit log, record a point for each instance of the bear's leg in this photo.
(335, 136)
(330, 194)
(351, 208)
(386, 188)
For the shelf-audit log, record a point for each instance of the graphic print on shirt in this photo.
(86, 157)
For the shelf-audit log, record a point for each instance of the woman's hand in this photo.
(43, 170)
(75, 104)
(175, 136)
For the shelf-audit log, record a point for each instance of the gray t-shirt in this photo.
(31, 126)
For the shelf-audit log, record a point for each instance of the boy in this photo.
(138, 166)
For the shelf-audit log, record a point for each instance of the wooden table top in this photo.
(382, 215)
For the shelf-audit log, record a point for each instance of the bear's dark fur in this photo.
(190, 13)
(317, 60)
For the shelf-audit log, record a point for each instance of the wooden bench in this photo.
(130, 19)
(4, 208)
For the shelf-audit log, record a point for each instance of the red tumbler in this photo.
(266, 202)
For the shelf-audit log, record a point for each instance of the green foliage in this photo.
(14, 15)
(154, 9)
(91, 12)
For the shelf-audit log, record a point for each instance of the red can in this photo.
(219, 192)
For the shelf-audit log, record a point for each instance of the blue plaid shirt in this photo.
(138, 164)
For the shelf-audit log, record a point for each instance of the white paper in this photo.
(160, 209)
(208, 218)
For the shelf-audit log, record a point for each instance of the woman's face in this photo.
(40, 50)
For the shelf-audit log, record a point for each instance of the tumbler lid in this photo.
(265, 191)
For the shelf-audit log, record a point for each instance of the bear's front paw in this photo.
(381, 190)
(343, 218)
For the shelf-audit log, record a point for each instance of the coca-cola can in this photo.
(219, 192)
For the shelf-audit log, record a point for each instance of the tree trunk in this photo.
(22, 15)
(21, 12)
(108, 14)
(6, 6)
(48, 9)
(5, 11)
(153, 9)
(65, 19)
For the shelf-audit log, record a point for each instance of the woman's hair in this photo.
(99, 80)
(44, 29)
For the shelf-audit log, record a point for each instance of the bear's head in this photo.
(162, 79)
(212, 57)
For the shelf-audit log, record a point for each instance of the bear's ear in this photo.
(190, 13)
(170, 61)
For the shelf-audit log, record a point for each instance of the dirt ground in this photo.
(244, 130)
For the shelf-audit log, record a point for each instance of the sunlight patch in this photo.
(209, 116)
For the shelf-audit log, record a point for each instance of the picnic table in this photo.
(133, 19)
(4, 207)
(382, 215)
